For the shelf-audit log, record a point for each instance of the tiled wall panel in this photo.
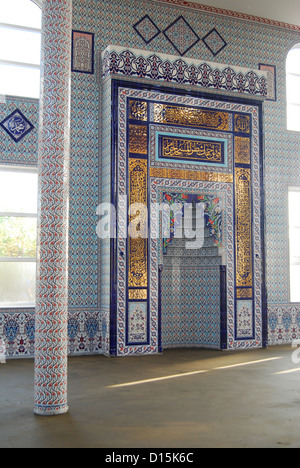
(247, 45)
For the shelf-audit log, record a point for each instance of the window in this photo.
(294, 231)
(18, 232)
(293, 88)
(20, 39)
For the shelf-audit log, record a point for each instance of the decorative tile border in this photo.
(141, 64)
(17, 331)
(283, 323)
(84, 332)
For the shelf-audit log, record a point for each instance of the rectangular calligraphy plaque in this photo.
(196, 150)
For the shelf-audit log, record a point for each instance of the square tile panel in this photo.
(181, 35)
(147, 29)
(214, 42)
(16, 125)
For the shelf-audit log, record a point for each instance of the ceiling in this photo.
(287, 11)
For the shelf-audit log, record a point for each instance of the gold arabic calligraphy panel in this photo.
(242, 123)
(166, 173)
(243, 228)
(138, 255)
(191, 117)
(191, 149)
(137, 294)
(243, 293)
(138, 110)
(242, 150)
(138, 139)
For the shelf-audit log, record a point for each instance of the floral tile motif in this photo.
(137, 322)
(244, 319)
(17, 125)
(214, 42)
(181, 35)
(212, 211)
(117, 60)
(147, 29)
(17, 332)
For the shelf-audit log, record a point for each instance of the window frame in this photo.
(291, 226)
(287, 74)
(24, 65)
(8, 214)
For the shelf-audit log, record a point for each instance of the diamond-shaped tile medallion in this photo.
(181, 35)
(147, 29)
(16, 125)
(214, 42)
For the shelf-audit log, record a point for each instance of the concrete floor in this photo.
(247, 405)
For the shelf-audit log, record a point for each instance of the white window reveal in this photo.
(294, 234)
(293, 89)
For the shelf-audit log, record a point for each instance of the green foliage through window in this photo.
(17, 237)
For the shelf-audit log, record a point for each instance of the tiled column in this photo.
(53, 166)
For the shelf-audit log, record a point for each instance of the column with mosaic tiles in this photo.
(53, 166)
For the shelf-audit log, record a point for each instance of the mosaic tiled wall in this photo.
(248, 44)
(235, 193)
(228, 40)
(190, 306)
